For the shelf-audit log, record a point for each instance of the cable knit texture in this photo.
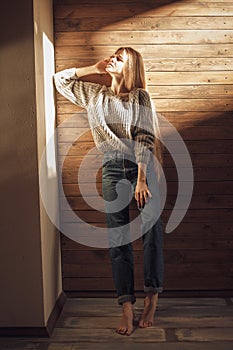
(116, 123)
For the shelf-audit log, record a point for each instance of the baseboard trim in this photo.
(165, 294)
(24, 332)
(57, 309)
(45, 331)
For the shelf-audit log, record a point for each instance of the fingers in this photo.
(101, 66)
(142, 197)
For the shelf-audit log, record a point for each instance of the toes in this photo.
(145, 324)
(141, 321)
(121, 330)
(141, 324)
(124, 331)
(129, 331)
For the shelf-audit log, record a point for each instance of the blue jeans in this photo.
(119, 179)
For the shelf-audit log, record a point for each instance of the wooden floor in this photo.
(180, 323)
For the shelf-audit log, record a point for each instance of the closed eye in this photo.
(119, 58)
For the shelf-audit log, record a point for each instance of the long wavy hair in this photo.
(134, 70)
(135, 77)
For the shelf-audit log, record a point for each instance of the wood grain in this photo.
(178, 8)
(141, 23)
(187, 48)
(155, 64)
(172, 105)
(206, 216)
(187, 118)
(139, 37)
(98, 52)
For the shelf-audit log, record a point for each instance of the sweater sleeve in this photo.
(144, 128)
(75, 90)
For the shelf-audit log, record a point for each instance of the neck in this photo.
(118, 86)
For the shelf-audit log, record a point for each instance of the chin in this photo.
(109, 71)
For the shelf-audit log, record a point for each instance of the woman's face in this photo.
(116, 63)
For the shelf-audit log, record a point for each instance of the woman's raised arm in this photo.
(79, 92)
(98, 68)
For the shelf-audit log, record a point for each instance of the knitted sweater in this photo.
(116, 124)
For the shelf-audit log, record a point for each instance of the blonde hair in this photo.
(135, 77)
(134, 71)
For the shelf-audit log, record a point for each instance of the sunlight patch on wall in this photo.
(48, 60)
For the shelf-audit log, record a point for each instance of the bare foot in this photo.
(147, 317)
(126, 325)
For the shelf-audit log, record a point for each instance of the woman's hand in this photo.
(101, 66)
(141, 190)
(142, 193)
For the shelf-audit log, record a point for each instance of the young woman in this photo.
(124, 128)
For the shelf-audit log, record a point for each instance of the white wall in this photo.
(44, 69)
(30, 271)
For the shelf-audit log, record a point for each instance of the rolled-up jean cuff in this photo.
(128, 297)
(154, 290)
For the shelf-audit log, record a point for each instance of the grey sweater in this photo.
(116, 124)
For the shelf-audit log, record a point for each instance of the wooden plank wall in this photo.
(188, 48)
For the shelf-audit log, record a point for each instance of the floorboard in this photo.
(180, 324)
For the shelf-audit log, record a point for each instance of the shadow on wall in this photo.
(22, 29)
(202, 115)
(80, 24)
(86, 13)
(88, 18)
